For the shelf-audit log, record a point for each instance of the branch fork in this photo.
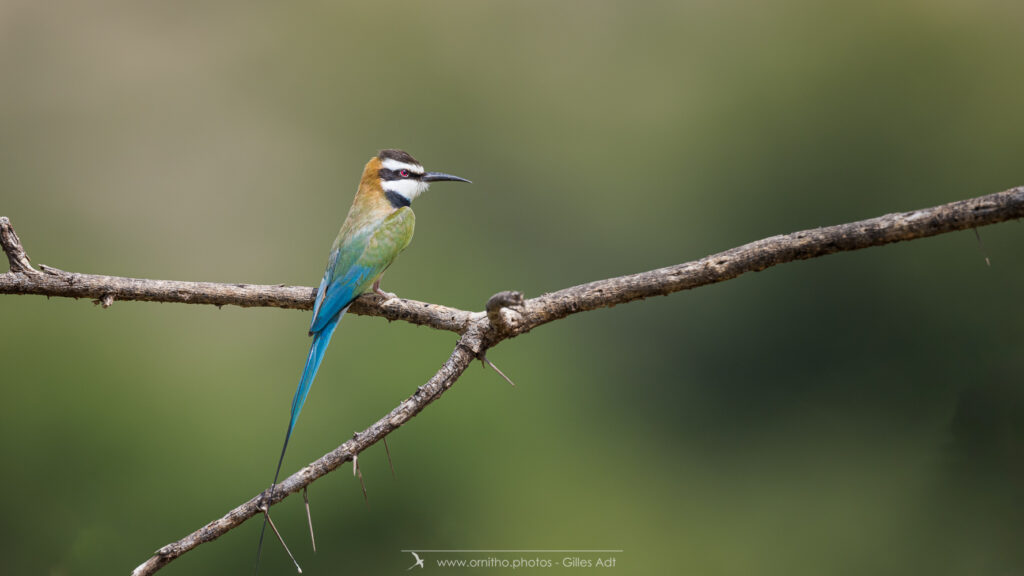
(506, 315)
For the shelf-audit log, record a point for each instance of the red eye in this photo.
(403, 173)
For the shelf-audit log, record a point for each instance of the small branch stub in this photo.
(498, 303)
(105, 301)
(16, 255)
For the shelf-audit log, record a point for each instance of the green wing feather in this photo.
(358, 259)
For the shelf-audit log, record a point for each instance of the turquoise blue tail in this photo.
(316, 350)
(316, 354)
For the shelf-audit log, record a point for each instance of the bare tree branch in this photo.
(506, 315)
(762, 254)
(464, 353)
(972, 213)
(23, 279)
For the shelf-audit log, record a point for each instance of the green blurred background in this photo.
(856, 414)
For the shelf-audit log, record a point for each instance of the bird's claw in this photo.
(385, 295)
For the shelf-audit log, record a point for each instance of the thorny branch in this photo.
(507, 314)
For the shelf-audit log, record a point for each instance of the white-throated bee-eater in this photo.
(378, 227)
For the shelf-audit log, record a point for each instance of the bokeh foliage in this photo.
(857, 414)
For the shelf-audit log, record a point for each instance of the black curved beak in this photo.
(441, 176)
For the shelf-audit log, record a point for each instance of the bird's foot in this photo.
(385, 295)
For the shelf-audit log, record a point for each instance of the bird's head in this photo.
(402, 178)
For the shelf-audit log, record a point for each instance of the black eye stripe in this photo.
(386, 174)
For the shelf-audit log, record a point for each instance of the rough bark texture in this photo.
(506, 315)
(462, 356)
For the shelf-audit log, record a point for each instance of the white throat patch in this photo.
(408, 189)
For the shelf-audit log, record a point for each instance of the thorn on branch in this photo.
(486, 361)
(357, 472)
(266, 513)
(981, 247)
(390, 463)
(309, 517)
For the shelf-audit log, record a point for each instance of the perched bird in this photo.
(378, 227)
